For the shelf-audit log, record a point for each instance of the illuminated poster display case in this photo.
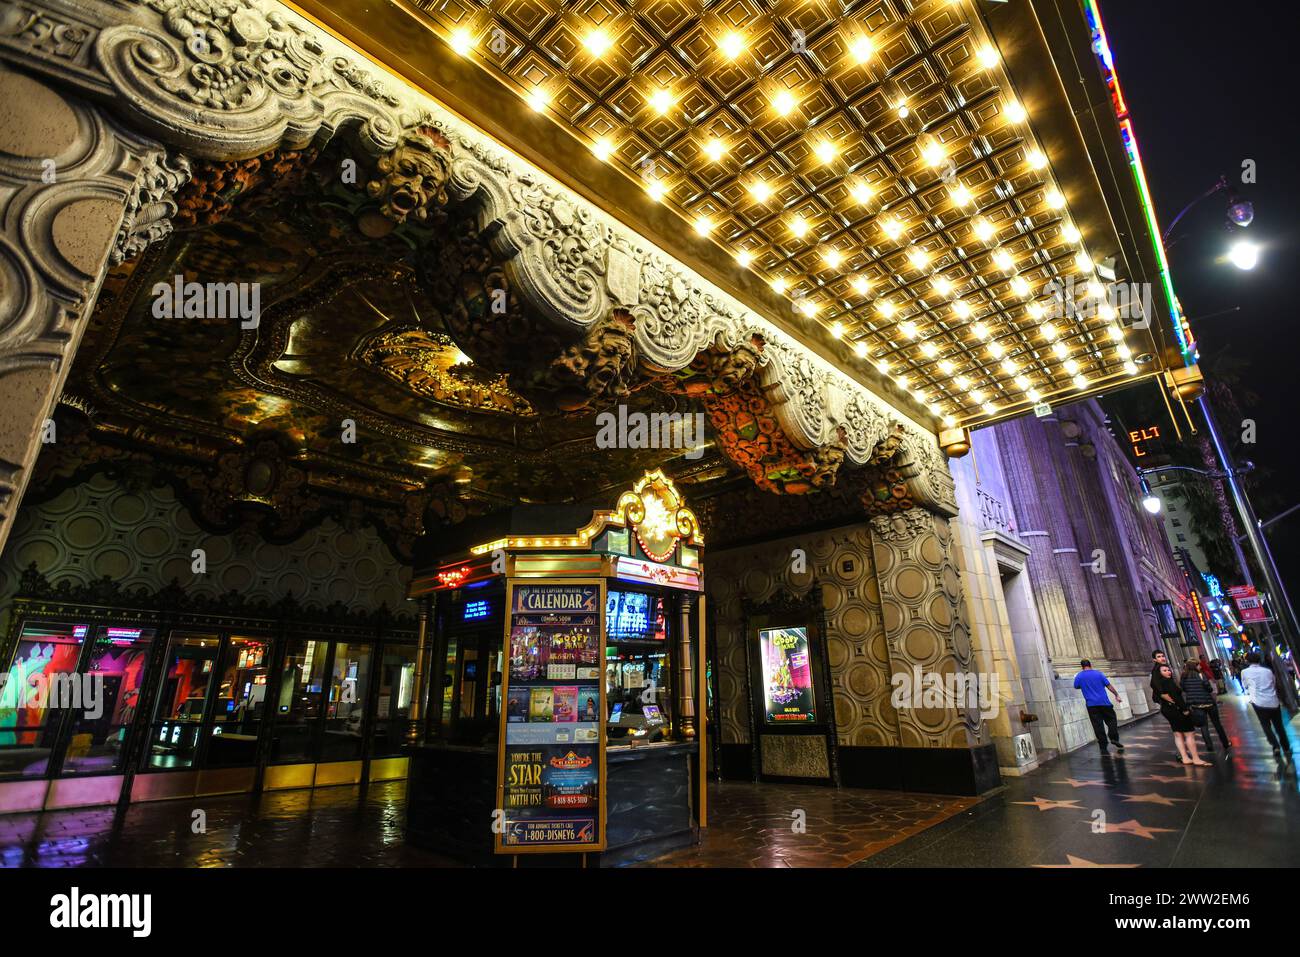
(792, 722)
(584, 628)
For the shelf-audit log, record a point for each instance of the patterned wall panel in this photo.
(840, 560)
(924, 620)
(144, 538)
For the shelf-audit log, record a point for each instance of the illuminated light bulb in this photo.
(1009, 366)
(1106, 311)
(1036, 159)
(1071, 233)
(744, 257)
(961, 382)
(1022, 381)
(1124, 351)
(882, 367)
(918, 257)
(779, 284)
(941, 285)
(1071, 367)
(732, 45)
(1019, 286)
(538, 99)
(1049, 331)
(1055, 198)
(861, 285)
(703, 225)
(825, 151)
(961, 195)
(656, 189)
(714, 149)
(861, 349)
(933, 153)
(837, 329)
(799, 227)
(981, 330)
(661, 101)
(1002, 259)
(961, 309)
(989, 408)
(760, 191)
(1116, 333)
(1096, 290)
(808, 308)
(934, 409)
(833, 257)
(886, 308)
(1083, 262)
(1036, 310)
(1060, 349)
(861, 49)
(901, 109)
(1130, 367)
(983, 229)
(861, 192)
(946, 367)
(1033, 395)
(976, 395)
(902, 382)
(1080, 382)
(891, 227)
(597, 42)
(783, 103)
(1015, 112)
(462, 41)
(949, 420)
(908, 328)
(988, 57)
(929, 349)
(996, 350)
(602, 148)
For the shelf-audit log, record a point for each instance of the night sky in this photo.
(1208, 86)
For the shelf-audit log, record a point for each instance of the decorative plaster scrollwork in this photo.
(151, 206)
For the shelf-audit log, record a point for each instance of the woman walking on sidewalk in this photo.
(1200, 697)
(1261, 685)
(1174, 707)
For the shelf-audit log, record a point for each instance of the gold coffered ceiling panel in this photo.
(872, 162)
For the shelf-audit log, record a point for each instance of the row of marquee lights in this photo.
(732, 45)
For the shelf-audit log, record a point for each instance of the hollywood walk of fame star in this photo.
(1075, 783)
(1047, 804)
(1138, 830)
(1084, 862)
(1168, 779)
(1151, 797)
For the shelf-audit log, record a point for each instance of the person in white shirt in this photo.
(1262, 688)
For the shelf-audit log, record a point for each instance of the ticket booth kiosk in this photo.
(564, 711)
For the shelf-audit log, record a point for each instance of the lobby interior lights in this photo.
(922, 250)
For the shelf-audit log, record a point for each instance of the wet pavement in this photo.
(1142, 809)
(1139, 809)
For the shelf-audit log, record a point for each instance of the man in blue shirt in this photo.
(1101, 713)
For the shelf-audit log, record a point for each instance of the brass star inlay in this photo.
(1084, 862)
(1047, 804)
(1138, 830)
(1076, 783)
(1167, 779)
(1151, 798)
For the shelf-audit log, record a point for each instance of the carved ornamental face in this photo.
(600, 366)
(413, 181)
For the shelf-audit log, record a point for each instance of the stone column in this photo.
(943, 738)
(1053, 563)
(77, 192)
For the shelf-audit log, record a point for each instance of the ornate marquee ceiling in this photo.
(909, 183)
